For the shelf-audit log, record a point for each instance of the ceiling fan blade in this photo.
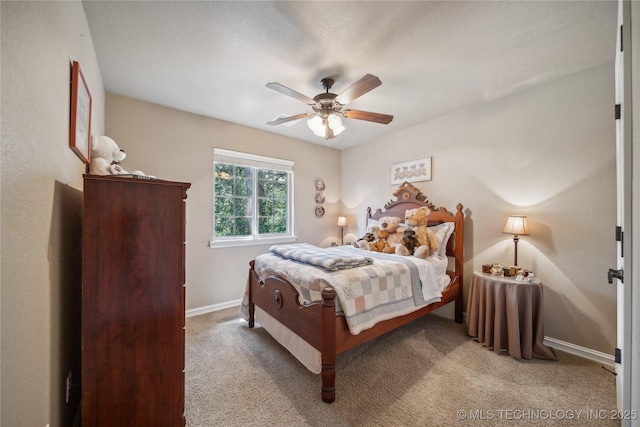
(370, 117)
(290, 92)
(289, 119)
(359, 88)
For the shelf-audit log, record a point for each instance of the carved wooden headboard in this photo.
(409, 197)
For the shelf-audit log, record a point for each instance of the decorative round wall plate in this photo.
(319, 185)
(319, 198)
(319, 211)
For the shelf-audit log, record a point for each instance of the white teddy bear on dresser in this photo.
(106, 157)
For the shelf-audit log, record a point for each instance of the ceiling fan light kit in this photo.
(324, 127)
(326, 120)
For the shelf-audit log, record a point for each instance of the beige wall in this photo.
(41, 202)
(548, 153)
(175, 145)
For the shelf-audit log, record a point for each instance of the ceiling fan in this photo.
(328, 109)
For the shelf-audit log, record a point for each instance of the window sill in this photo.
(221, 243)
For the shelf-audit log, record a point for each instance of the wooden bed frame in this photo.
(318, 324)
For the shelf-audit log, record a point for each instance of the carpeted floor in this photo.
(428, 373)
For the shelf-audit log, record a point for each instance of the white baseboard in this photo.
(213, 307)
(587, 353)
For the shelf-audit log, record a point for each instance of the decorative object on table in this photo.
(486, 268)
(516, 225)
(80, 123)
(525, 276)
(342, 223)
(497, 270)
(319, 184)
(413, 171)
(106, 157)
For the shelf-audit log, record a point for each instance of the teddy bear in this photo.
(106, 157)
(382, 241)
(409, 241)
(386, 228)
(392, 225)
(363, 243)
(416, 219)
(379, 242)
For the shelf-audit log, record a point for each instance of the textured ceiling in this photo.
(214, 58)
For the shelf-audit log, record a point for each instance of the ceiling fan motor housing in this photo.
(326, 104)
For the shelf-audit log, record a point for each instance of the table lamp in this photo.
(516, 225)
(342, 223)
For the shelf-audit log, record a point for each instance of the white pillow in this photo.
(443, 232)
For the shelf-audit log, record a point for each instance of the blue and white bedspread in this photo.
(332, 259)
(388, 287)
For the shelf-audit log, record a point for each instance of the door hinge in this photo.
(620, 238)
(618, 355)
(621, 39)
(618, 112)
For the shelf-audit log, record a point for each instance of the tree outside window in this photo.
(251, 200)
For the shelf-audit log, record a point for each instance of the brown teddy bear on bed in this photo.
(410, 241)
(417, 219)
(380, 243)
(363, 243)
(384, 236)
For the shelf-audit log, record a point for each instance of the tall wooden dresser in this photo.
(133, 308)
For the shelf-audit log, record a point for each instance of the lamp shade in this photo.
(315, 124)
(322, 126)
(342, 221)
(517, 225)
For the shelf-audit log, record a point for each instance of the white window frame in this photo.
(254, 161)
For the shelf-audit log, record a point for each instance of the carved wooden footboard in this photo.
(318, 324)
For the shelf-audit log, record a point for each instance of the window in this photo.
(253, 199)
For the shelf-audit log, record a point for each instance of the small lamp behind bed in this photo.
(342, 223)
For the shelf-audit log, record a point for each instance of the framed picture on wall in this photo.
(80, 124)
(413, 171)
